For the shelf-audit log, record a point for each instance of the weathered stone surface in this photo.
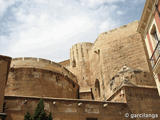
(4, 68)
(114, 68)
(130, 77)
(80, 64)
(96, 63)
(66, 109)
(37, 77)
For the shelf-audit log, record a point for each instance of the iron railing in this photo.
(156, 54)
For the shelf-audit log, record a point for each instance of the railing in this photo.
(156, 54)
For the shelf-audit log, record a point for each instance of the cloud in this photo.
(95, 3)
(48, 28)
(4, 5)
(138, 1)
(119, 12)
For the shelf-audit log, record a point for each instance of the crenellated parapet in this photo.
(40, 77)
(29, 62)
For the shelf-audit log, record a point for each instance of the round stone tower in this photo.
(42, 78)
(79, 63)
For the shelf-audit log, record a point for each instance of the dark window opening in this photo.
(155, 35)
(92, 94)
(157, 10)
(73, 63)
(73, 85)
(57, 79)
(91, 119)
(97, 87)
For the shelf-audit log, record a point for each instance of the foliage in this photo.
(27, 116)
(39, 113)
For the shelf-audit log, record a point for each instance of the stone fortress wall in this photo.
(80, 64)
(110, 76)
(4, 69)
(40, 77)
(95, 64)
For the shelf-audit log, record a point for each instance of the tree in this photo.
(39, 114)
(50, 117)
(27, 116)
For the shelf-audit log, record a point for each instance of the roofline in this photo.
(142, 19)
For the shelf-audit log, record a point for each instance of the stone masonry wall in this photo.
(41, 83)
(113, 50)
(40, 77)
(80, 65)
(4, 68)
(66, 109)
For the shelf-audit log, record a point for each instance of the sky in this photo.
(48, 28)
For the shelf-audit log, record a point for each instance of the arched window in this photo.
(73, 63)
(97, 87)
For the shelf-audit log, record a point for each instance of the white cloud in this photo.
(138, 1)
(119, 12)
(94, 3)
(107, 25)
(48, 28)
(4, 4)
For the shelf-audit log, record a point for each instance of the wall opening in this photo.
(154, 35)
(73, 63)
(91, 119)
(97, 88)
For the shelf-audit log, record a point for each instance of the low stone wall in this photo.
(143, 102)
(66, 109)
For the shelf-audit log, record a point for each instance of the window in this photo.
(156, 53)
(73, 63)
(155, 35)
(91, 119)
(97, 87)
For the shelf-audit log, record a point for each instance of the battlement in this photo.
(120, 32)
(30, 62)
(6, 58)
(80, 51)
(83, 43)
(39, 60)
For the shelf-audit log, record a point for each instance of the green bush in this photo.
(39, 113)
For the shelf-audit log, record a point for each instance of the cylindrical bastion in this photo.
(42, 78)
